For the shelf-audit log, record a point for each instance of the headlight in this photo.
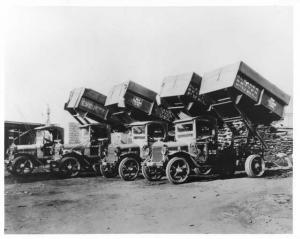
(164, 150)
(146, 151)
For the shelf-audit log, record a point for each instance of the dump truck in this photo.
(147, 121)
(43, 147)
(87, 107)
(127, 103)
(237, 100)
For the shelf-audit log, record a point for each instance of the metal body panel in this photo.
(89, 102)
(177, 85)
(85, 104)
(181, 93)
(261, 101)
(132, 102)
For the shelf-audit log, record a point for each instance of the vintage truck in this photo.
(237, 100)
(86, 155)
(127, 103)
(196, 150)
(43, 146)
(125, 158)
(147, 120)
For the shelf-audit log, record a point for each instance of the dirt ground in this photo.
(88, 204)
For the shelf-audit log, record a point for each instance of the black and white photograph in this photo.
(148, 119)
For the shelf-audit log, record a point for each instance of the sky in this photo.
(51, 50)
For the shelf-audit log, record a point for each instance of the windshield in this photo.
(156, 131)
(185, 127)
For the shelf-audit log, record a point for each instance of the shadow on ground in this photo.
(44, 176)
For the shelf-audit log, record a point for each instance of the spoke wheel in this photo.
(152, 173)
(108, 171)
(254, 166)
(129, 169)
(22, 166)
(70, 167)
(178, 170)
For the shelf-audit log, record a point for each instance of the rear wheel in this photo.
(255, 166)
(152, 173)
(178, 170)
(129, 169)
(22, 166)
(69, 167)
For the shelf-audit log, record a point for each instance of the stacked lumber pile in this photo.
(278, 140)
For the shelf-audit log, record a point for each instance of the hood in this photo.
(27, 147)
(127, 146)
(170, 144)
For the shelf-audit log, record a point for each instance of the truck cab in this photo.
(196, 149)
(37, 147)
(86, 155)
(125, 157)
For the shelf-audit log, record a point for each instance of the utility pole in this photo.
(48, 115)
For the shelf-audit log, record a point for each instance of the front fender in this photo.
(72, 154)
(131, 155)
(192, 163)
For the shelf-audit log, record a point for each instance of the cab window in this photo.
(204, 129)
(156, 131)
(138, 130)
(185, 127)
(85, 135)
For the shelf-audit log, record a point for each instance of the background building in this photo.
(13, 129)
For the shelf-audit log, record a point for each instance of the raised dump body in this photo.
(84, 104)
(181, 93)
(238, 91)
(132, 102)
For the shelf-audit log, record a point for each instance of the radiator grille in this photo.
(156, 154)
(111, 154)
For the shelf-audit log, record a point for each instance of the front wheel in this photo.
(22, 166)
(178, 170)
(254, 166)
(152, 173)
(69, 167)
(129, 169)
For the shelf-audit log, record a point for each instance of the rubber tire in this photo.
(107, 174)
(122, 164)
(19, 160)
(168, 170)
(68, 174)
(249, 169)
(149, 177)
